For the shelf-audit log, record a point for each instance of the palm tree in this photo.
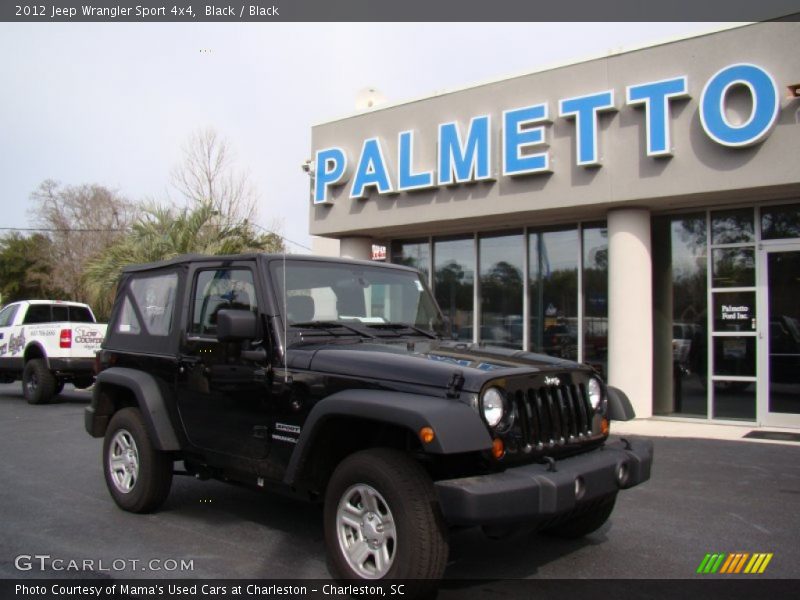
(161, 233)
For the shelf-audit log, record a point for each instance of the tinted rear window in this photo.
(57, 313)
(80, 314)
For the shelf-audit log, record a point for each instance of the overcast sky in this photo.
(113, 103)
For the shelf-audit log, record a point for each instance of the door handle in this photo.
(257, 355)
(185, 362)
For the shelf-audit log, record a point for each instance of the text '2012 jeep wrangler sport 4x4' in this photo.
(332, 380)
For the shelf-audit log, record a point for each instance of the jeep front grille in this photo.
(551, 415)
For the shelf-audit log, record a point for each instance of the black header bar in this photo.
(188, 11)
(744, 587)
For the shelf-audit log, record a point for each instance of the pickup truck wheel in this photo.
(382, 520)
(585, 523)
(38, 383)
(137, 474)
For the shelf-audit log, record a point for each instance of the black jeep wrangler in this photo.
(334, 380)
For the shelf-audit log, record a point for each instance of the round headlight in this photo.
(595, 392)
(493, 406)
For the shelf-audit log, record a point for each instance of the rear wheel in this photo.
(137, 474)
(585, 523)
(382, 521)
(38, 383)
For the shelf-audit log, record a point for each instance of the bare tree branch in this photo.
(65, 210)
(207, 174)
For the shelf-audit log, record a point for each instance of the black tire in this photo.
(38, 383)
(585, 523)
(407, 500)
(148, 470)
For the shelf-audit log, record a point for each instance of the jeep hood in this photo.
(426, 363)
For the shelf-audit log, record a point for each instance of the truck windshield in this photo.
(330, 293)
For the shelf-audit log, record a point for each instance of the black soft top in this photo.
(187, 259)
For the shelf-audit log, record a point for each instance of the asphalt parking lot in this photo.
(704, 496)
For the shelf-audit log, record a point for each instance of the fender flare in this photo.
(37, 344)
(149, 398)
(619, 405)
(458, 427)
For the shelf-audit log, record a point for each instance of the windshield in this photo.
(330, 292)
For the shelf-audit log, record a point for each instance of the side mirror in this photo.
(236, 325)
(448, 333)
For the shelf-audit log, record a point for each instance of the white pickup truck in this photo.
(48, 343)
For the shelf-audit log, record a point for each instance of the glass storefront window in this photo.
(454, 280)
(735, 356)
(501, 289)
(595, 297)
(783, 277)
(732, 227)
(683, 295)
(735, 400)
(553, 292)
(734, 311)
(734, 267)
(552, 287)
(415, 254)
(779, 222)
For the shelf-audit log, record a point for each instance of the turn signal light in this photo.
(498, 449)
(427, 435)
(604, 426)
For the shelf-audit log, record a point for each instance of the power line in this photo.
(85, 230)
(57, 230)
(283, 237)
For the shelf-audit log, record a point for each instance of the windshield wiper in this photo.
(327, 326)
(398, 326)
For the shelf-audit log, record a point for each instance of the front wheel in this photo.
(382, 520)
(38, 383)
(138, 475)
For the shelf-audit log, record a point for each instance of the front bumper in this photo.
(536, 493)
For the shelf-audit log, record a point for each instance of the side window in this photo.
(219, 289)
(7, 315)
(149, 305)
(37, 313)
(128, 322)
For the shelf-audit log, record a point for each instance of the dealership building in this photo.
(639, 212)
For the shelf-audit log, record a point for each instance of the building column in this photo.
(356, 247)
(630, 307)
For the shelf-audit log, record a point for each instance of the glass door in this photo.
(779, 336)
